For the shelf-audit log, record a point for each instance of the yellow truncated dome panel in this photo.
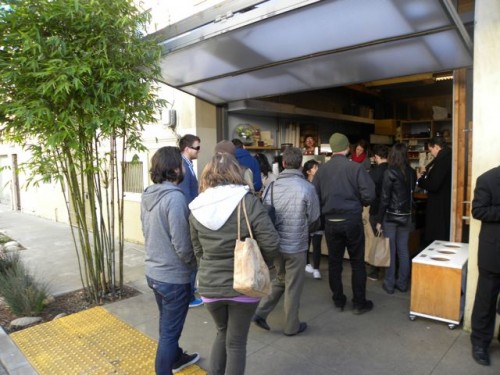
(89, 342)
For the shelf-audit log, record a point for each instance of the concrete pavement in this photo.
(383, 341)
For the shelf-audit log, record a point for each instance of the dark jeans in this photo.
(229, 350)
(485, 308)
(316, 250)
(192, 297)
(339, 235)
(173, 304)
(398, 237)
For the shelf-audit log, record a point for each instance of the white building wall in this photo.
(486, 118)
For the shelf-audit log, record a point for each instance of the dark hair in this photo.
(363, 144)
(264, 165)
(166, 165)
(308, 165)
(222, 169)
(381, 150)
(237, 143)
(187, 141)
(292, 156)
(398, 156)
(438, 140)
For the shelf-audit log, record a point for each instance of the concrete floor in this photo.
(383, 341)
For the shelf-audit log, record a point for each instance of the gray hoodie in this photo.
(164, 216)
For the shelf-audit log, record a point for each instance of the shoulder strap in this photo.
(246, 217)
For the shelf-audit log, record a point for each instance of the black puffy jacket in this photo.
(397, 189)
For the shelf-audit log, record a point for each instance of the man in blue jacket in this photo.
(189, 145)
(247, 160)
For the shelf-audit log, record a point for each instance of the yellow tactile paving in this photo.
(90, 342)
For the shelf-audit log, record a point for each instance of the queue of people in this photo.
(187, 231)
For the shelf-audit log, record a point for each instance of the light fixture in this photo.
(443, 76)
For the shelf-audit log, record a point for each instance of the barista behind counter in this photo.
(436, 181)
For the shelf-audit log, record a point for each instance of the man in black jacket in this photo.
(344, 187)
(486, 207)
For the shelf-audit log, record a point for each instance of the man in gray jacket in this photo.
(170, 260)
(344, 187)
(297, 210)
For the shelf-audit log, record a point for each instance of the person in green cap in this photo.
(344, 187)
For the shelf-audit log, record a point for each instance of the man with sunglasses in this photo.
(189, 145)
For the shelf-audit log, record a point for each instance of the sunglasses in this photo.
(197, 148)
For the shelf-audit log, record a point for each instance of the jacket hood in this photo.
(154, 193)
(213, 207)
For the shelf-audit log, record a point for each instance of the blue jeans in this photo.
(173, 304)
(398, 237)
(192, 296)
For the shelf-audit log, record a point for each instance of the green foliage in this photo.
(4, 238)
(77, 84)
(8, 261)
(19, 289)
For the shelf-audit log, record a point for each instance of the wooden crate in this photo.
(438, 282)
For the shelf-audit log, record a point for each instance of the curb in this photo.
(11, 358)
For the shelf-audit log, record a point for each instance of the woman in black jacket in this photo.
(394, 216)
(436, 180)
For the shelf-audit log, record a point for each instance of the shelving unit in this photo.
(416, 133)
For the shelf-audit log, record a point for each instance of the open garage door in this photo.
(250, 49)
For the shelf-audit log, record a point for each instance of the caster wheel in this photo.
(412, 317)
(451, 326)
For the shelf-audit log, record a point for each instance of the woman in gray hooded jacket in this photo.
(213, 224)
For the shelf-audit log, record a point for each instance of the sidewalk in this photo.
(383, 341)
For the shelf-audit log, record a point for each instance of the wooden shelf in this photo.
(262, 148)
(264, 108)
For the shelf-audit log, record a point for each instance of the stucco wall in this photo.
(486, 118)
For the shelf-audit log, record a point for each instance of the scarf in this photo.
(358, 159)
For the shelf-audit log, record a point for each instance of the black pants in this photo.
(316, 250)
(339, 235)
(486, 306)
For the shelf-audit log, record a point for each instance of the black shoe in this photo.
(261, 322)
(340, 304)
(302, 328)
(387, 290)
(367, 306)
(481, 355)
(185, 361)
(373, 275)
(402, 290)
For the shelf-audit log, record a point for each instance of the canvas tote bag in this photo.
(251, 274)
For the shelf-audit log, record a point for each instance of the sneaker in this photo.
(196, 302)
(367, 306)
(185, 361)
(316, 274)
(373, 276)
(309, 268)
